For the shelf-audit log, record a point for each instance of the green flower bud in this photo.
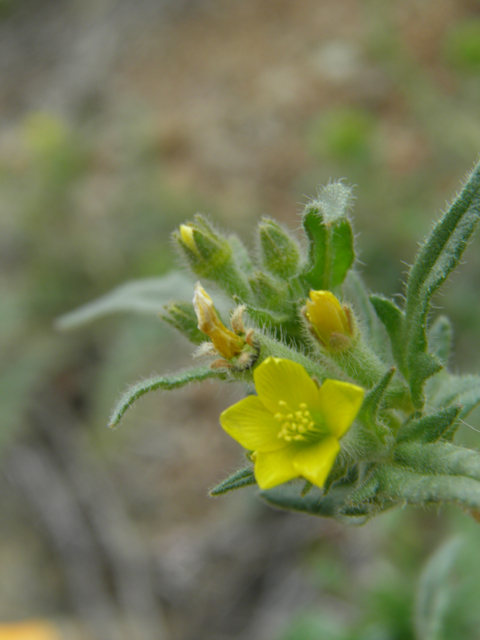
(181, 315)
(204, 247)
(210, 255)
(270, 293)
(279, 252)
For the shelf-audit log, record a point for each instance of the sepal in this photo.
(279, 252)
(181, 316)
(238, 480)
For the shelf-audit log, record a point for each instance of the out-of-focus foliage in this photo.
(462, 46)
(81, 210)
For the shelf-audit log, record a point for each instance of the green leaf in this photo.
(314, 503)
(158, 382)
(440, 338)
(240, 254)
(147, 296)
(393, 320)
(374, 399)
(439, 458)
(181, 316)
(279, 252)
(432, 427)
(355, 291)
(462, 390)
(437, 258)
(270, 293)
(334, 504)
(238, 480)
(402, 485)
(434, 591)
(330, 235)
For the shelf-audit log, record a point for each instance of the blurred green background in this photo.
(119, 119)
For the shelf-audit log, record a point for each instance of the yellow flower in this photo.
(29, 630)
(329, 320)
(292, 426)
(227, 343)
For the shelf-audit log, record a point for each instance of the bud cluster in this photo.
(340, 375)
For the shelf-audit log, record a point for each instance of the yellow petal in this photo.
(250, 424)
(225, 341)
(278, 380)
(339, 404)
(275, 467)
(327, 316)
(186, 234)
(29, 630)
(315, 461)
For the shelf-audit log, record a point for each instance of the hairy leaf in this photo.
(440, 338)
(330, 235)
(437, 258)
(238, 480)
(158, 382)
(462, 390)
(146, 296)
(431, 427)
(434, 591)
(393, 320)
(355, 291)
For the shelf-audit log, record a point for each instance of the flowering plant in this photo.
(349, 392)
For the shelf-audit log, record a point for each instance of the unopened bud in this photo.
(227, 343)
(181, 315)
(187, 237)
(330, 321)
(279, 251)
(205, 248)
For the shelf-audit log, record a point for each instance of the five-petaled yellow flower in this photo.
(292, 426)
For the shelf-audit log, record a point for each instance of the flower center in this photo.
(298, 426)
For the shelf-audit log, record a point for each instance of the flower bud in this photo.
(269, 292)
(205, 248)
(227, 343)
(181, 315)
(187, 237)
(279, 251)
(330, 321)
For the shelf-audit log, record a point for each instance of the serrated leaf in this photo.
(434, 589)
(330, 234)
(462, 390)
(158, 382)
(393, 321)
(437, 258)
(429, 428)
(146, 296)
(238, 480)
